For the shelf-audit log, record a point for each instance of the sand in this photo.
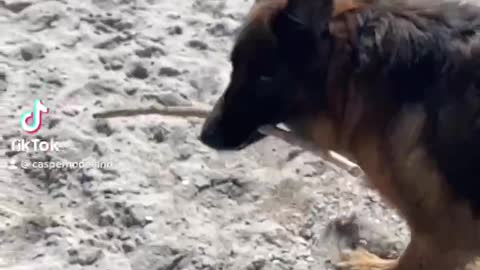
(165, 201)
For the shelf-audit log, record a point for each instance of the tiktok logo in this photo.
(31, 122)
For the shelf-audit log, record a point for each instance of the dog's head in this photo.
(283, 44)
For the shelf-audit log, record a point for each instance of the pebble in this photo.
(106, 218)
(17, 6)
(149, 52)
(138, 71)
(102, 126)
(32, 51)
(175, 30)
(197, 44)
(135, 215)
(169, 72)
(168, 98)
(85, 256)
(128, 246)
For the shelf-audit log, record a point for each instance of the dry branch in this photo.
(330, 156)
(173, 111)
(287, 136)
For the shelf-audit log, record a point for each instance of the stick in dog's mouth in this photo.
(268, 130)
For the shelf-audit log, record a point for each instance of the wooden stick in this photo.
(288, 136)
(173, 111)
(330, 156)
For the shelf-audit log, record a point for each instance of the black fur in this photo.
(423, 53)
(268, 63)
(430, 55)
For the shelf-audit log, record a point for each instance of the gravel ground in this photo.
(166, 202)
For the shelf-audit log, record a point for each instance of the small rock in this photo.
(168, 98)
(103, 60)
(3, 86)
(306, 233)
(102, 87)
(124, 236)
(70, 112)
(106, 218)
(257, 265)
(156, 133)
(148, 219)
(117, 23)
(169, 72)
(102, 126)
(219, 30)
(175, 30)
(159, 257)
(16, 6)
(54, 80)
(138, 71)
(111, 43)
(128, 246)
(111, 232)
(32, 51)
(174, 16)
(159, 136)
(131, 91)
(116, 64)
(197, 44)
(53, 240)
(135, 216)
(42, 15)
(149, 52)
(184, 152)
(84, 256)
(53, 122)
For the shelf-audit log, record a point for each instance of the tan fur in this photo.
(362, 260)
(264, 10)
(398, 167)
(342, 6)
(445, 235)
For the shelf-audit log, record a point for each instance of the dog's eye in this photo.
(266, 78)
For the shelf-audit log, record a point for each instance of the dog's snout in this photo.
(212, 138)
(211, 134)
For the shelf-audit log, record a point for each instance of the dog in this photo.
(394, 84)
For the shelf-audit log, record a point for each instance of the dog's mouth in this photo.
(262, 132)
(232, 141)
(256, 136)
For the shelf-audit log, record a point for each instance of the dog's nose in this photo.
(212, 139)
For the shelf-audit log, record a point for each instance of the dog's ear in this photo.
(298, 24)
(300, 27)
(303, 16)
(342, 6)
(287, 27)
(294, 38)
(312, 13)
(291, 14)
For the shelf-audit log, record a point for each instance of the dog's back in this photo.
(428, 53)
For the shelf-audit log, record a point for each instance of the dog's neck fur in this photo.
(337, 125)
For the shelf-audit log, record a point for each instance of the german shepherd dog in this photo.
(395, 84)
